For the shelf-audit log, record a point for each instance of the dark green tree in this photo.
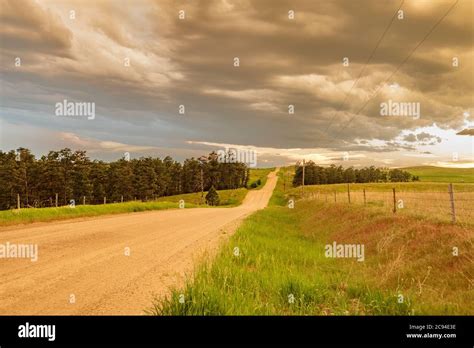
(212, 197)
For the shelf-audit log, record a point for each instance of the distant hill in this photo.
(440, 174)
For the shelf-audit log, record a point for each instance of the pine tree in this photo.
(72, 175)
(98, 177)
(212, 197)
(7, 179)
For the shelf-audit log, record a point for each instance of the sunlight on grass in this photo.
(9, 217)
(228, 198)
(282, 270)
(258, 177)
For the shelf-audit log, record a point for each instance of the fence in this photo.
(56, 202)
(450, 205)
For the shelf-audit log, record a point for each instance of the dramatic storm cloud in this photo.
(288, 78)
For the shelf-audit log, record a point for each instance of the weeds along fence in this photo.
(450, 206)
(228, 197)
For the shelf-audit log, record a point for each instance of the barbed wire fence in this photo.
(450, 205)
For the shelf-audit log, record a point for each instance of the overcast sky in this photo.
(289, 53)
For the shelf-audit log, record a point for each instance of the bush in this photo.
(212, 197)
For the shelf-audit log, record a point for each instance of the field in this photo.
(259, 173)
(413, 198)
(438, 174)
(228, 198)
(281, 268)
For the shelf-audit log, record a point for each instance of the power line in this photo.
(365, 65)
(400, 65)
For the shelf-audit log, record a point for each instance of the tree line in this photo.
(72, 175)
(317, 175)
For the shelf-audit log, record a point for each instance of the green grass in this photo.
(439, 174)
(259, 174)
(282, 254)
(229, 198)
(10, 217)
(420, 199)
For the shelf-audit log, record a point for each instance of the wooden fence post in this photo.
(18, 201)
(121, 199)
(451, 198)
(105, 200)
(335, 199)
(83, 200)
(56, 200)
(364, 198)
(348, 194)
(394, 201)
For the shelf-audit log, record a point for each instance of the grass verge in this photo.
(22, 216)
(281, 257)
(228, 198)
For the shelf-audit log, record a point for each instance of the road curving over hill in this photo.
(116, 264)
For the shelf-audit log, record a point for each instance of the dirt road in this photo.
(83, 267)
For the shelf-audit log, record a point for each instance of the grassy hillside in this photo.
(228, 198)
(259, 174)
(439, 174)
(425, 199)
(281, 268)
(11, 217)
